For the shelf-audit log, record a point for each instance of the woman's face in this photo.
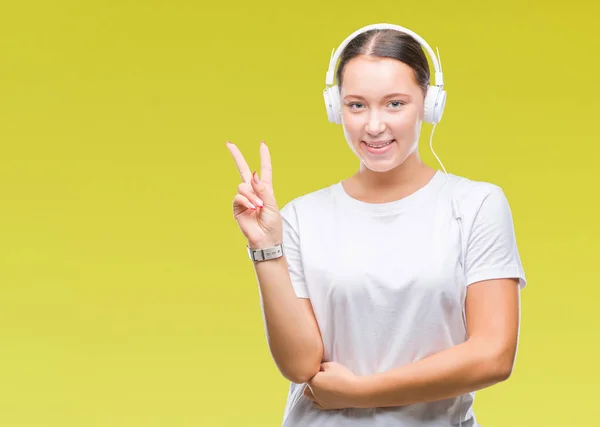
(381, 103)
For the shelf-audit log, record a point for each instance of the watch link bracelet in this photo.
(267, 253)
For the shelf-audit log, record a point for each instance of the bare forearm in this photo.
(458, 370)
(294, 340)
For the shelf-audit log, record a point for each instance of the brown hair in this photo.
(388, 44)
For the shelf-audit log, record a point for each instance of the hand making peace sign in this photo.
(254, 206)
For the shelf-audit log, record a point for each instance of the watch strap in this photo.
(266, 254)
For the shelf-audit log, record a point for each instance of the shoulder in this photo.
(311, 203)
(471, 195)
(483, 208)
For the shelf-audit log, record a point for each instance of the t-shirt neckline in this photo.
(393, 207)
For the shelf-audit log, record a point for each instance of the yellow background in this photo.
(126, 297)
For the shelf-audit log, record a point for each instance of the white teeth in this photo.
(379, 146)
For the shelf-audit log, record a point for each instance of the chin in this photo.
(381, 166)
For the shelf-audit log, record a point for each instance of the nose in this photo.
(375, 125)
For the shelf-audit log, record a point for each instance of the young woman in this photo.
(391, 296)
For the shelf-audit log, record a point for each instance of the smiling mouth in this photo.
(379, 144)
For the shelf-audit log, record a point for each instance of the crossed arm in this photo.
(487, 357)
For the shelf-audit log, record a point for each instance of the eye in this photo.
(397, 104)
(355, 104)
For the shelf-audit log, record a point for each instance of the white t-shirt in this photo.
(388, 286)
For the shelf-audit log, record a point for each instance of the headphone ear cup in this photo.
(435, 102)
(332, 104)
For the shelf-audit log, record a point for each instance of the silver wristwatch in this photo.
(266, 254)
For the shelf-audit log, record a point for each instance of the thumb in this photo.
(262, 190)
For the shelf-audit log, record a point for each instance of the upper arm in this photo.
(291, 244)
(492, 251)
(493, 314)
(494, 275)
(291, 241)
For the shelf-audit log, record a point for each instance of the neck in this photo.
(381, 187)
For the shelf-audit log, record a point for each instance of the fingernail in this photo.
(259, 202)
(251, 206)
(255, 176)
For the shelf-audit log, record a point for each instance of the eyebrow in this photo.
(391, 95)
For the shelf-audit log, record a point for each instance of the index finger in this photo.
(266, 170)
(240, 162)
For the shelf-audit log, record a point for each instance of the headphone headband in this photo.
(335, 54)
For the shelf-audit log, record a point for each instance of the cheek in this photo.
(405, 123)
(353, 126)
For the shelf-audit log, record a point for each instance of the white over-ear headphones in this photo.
(435, 99)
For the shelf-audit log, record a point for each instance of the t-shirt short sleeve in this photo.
(492, 251)
(291, 248)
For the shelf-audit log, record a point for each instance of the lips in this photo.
(379, 144)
